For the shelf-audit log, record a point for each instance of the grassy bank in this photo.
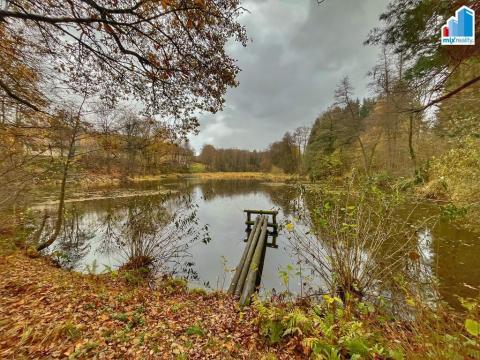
(101, 180)
(268, 177)
(47, 312)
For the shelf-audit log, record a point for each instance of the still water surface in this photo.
(209, 239)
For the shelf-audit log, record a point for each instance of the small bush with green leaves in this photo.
(328, 329)
(135, 277)
(333, 329)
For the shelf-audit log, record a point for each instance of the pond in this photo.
(212, 238)
(197, 229)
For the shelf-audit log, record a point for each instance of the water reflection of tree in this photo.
(285, 197)
(154, 233)
(74, 241)
(281, 195)
(362, 247)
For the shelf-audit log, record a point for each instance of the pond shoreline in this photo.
(104, 187)
(118, 195)
(94, 180)
(223, 176)
(187, 317)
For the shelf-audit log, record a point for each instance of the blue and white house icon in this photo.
(460, 29)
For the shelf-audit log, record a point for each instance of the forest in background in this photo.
(388, 138)
(419, 130)
(280, 156)
(420, 126)
(66, 74)
(58, 125)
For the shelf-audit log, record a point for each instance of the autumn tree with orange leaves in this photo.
(165, 58)
(167, 55)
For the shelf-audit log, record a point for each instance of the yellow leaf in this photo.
(473, 327)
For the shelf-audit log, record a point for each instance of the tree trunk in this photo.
(413, 156)
(372, 153)
(38, 233)
(61, 204)
(365, 156)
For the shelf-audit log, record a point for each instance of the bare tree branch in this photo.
(16, 97)
(448, 95)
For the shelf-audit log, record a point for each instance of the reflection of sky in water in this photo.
(222, 210)
(425, 243)
(226, 219)
(93, 220)
(448, 253)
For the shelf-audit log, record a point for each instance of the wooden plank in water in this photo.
(238, 270)
(273, 213)
(253, 268)
(261, 212)
(271, 224)
(248, 259)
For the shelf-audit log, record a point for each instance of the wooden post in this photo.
(253, 268)
(274, 236)
(249, 221)
(273, 213)
(234, 282)
(248, 259)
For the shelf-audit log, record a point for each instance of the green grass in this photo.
(195, 330)
(197, 168)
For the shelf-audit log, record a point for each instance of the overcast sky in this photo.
(299, 51)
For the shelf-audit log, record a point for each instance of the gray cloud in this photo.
(298, 54)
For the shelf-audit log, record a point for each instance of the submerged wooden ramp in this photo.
(248, 272)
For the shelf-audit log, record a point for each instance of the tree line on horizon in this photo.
(284, 155)
(89, 89)
(422, 114)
